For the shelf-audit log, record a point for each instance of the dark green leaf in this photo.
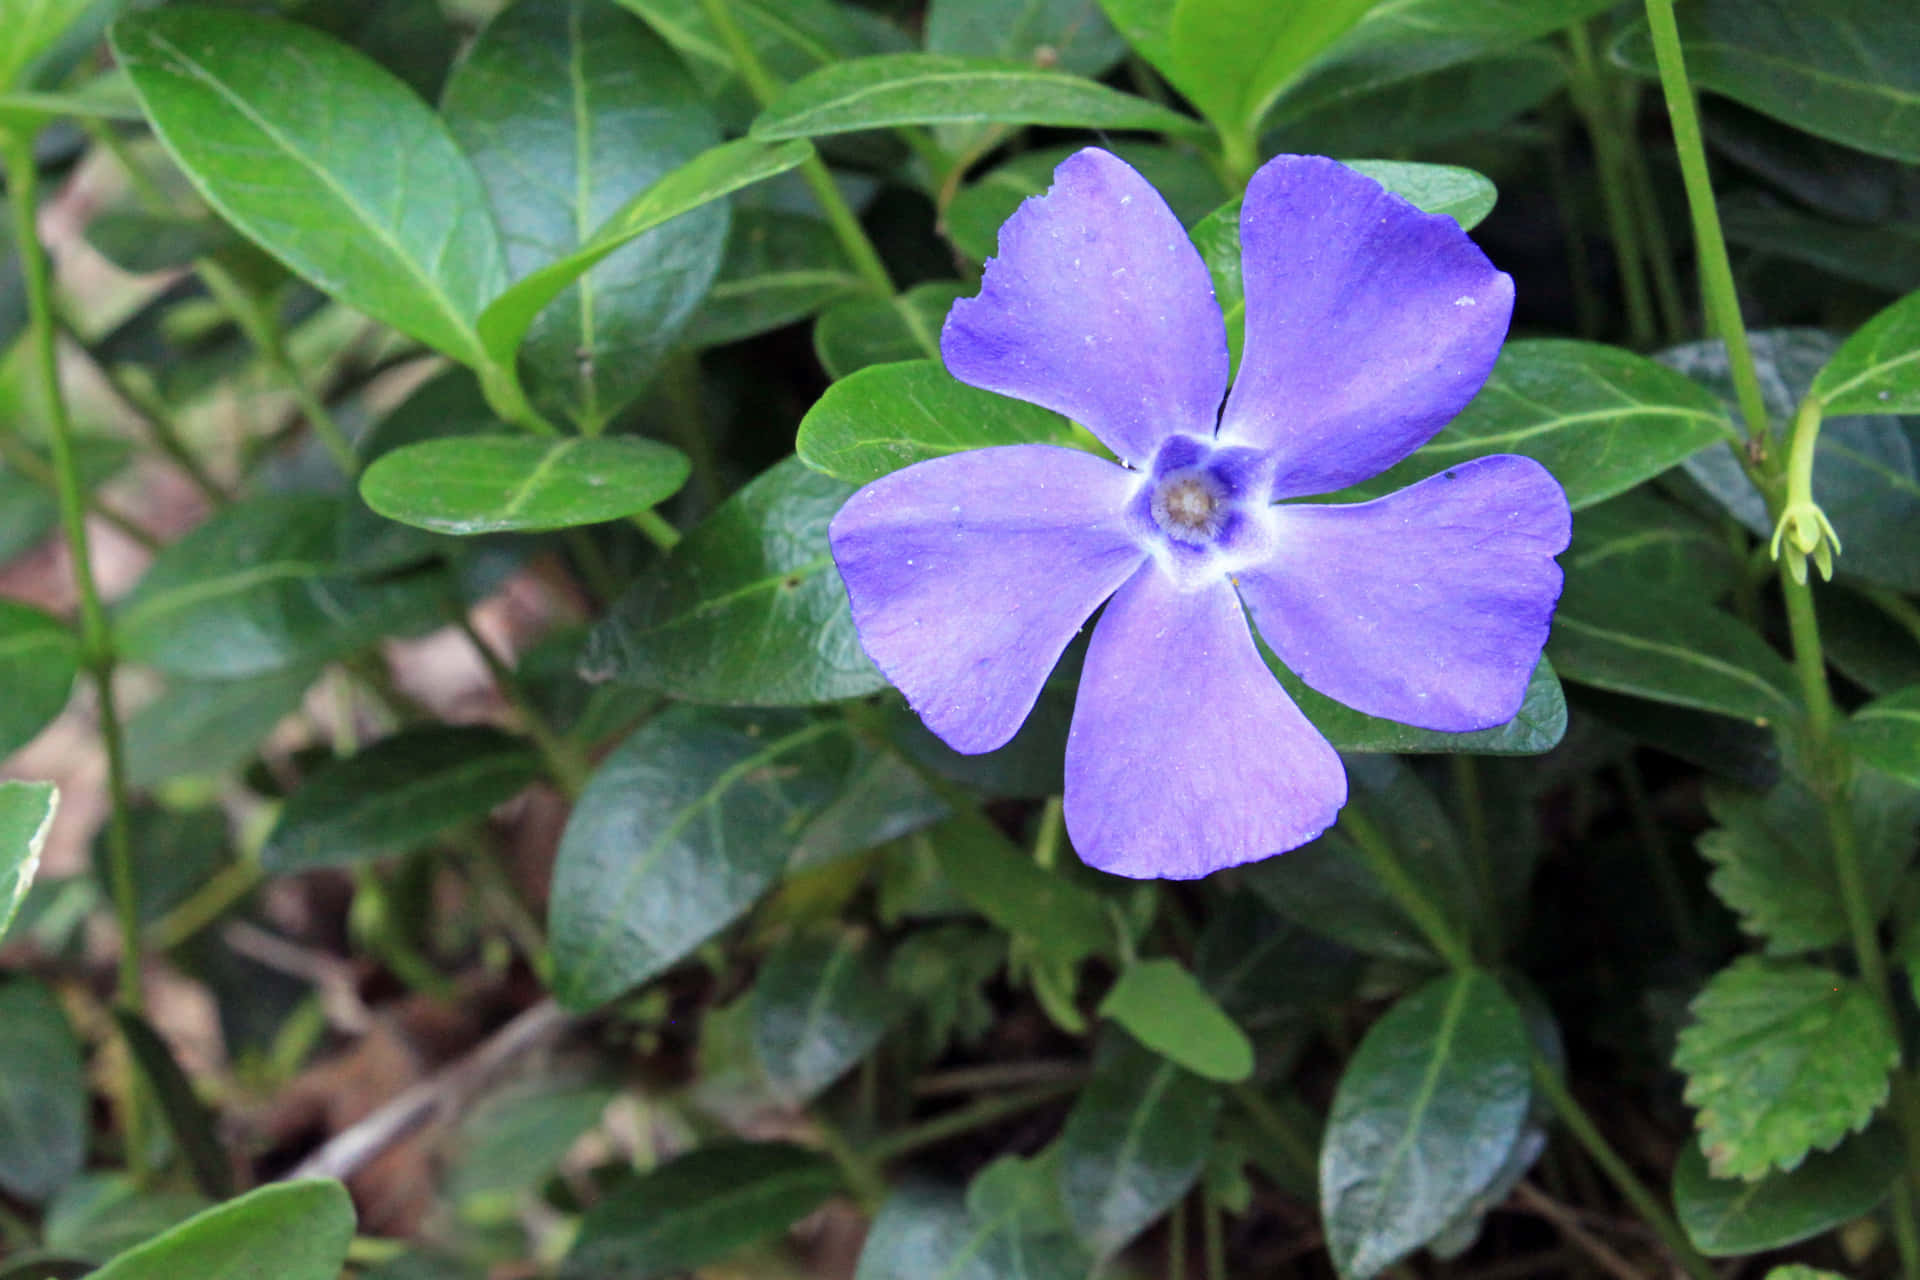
(699, 1208)
(1164, 1008)
(1072, 34)
(43, 1093)
(411, 38)
(28, 510)
(677, 834)
(514, 1140)
(189, 1119)
(1877, 370)
(1005, 1228)
(1453, 103)
(303, 1227)
(1886, 734)
(98, 1215)
(749, 609)
(931, 88)
(1640, 537)
(1727, 1216)
(779, 268)
(1134, 1143)
(859, 332)
(788, 37)
(1538, 726)
(26, 815)
(203, 727)
(38, 659)
(569, 110)
(1884, 257)
(175, 853)
(820, 1005)
(1265, 968)
(139, 242)
(1761, 1064)
(326, 160)
(999, 880)
(396, 794)
(523, 484)
(1861, 639)
(881, 798)
(1428, 1111)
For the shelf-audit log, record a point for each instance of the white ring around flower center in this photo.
(1190, 507)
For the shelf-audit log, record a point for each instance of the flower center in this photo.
(1190, 506)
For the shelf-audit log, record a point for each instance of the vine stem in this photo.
(1588, 89)
(1385, 863)
(563, 761)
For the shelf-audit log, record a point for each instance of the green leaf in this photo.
(258, 588)
(1843, 69)
(1537, 727)
(1877, 370)
(28, 510)
(1614, 633)
(1800, 1271)
(1886, 734)
(39, 658)
(26, 815)
(203, 727)
(569, 110)
(326, 160)
(779, 268)
(1763, 1064)
(1725, 1217)
(820, 1005)
(930, 88)
(521, 484)
(513, 1140)
(709, 176)
(699, 1208)
(1004, 1228)
(859, 332)
(1233, 58)
(43, 1093)
(98, 1215)
(1062, 921)
(1427, 1112)
(677, 834)
(1866, 644)
(190, 1120)
(1774, 861)
(138, 241)
(881, 798)
(1072, 34)
(397, 794)
(34, 27)
(303, 1227)
(1447, 105)
(789, 37)
(1164, 1008)
(1641, 537)
(748, 610)
(1884, 257)
(891, 416)
(1134, 1143)
(447, 406)
(175, 853)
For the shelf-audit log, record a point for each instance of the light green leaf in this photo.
(859, 332)
(326, 160)
(1886, 734)
(1877, 370)
(499, 484)
(930, 88)
(1726, 1217)
(33, 27)
(43, 1092)
(1164, 1008)
(303, 1227)
(39, 658)
(1061, 920)
(820, 1005)
(26, 815)
(1233, 58)
(1781, 1060)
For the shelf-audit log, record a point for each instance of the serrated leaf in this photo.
(523, 484)
(1428, 1110)
(1726, 1217)
(1163, 1007)
(858, 332)
(39, 658)
(748, 610)
(569, 110)
(1877, 370)
(1782, 1060)
(43, 1093)
(394, 795)
(26, 815)
(324, 159)
(930, 88)
(820, 1005)
(304, 1227)
(676, 835)
(699, 1208)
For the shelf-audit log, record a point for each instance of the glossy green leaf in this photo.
(1886, 734)
(203, 727)
(1618, 634)
(396, 794)
(1446, 105)
(1883, 257)
(26, 815)
(326, 160)
(1003, 883)
(859, 332)
(789, 37)
(1641, 537)
(1072, 34)
(1725, 1217)
(521, 484)
(190, 1120)
(1877, 370)
(881, 798)
(449, 405)
(569, 110)
(1428, 1110)
(930, 88)
(779, 268)
(1007, 1227)
(39, 658)
(699, 1208)
(678, 832)
(1134, 1143)
(1233, 58)
(43, 1092)
(1848, 70)
(710, 176)
(1762, 1068)
(1163, 1007)
(820, 1005)
(748, 609)
(258, 588)
(891, 416)
(303, 1227)
(1538, 726)
(1774, 862)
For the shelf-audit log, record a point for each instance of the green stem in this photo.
(859, 1168)
(1385, 864)
(1586, 306)
(819, 179)
(976, 1115)
(1050, 834)
(29, 464)
(567, 766)
(208, 903)
(1666, 280)
(159, 421)
(1239, 156)
(1588, 90)
(1286, 1139)
(662, 534)
(1716, 270)
(1466, 786)
(1213, 1234)
(1571, 1114)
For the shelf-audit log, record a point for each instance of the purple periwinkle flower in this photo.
(1369, 325)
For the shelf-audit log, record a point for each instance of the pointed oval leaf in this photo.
(820, 1005)
(304, 1227)
(1877, 370)
(521, 484)
(930, 88)
(1163, 1007)
(1233, 58)
(43, 1092)
(38, 661)
(859, 332)
(779, 268)
(1060, 919)
(26, 815)
(1537, 727)
(1728, 1216)
(326, 160)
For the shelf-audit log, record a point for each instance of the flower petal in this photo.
(1369, 324)
(1098, 307)
(969, 574)
(1185, 754)
(1428, 606)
